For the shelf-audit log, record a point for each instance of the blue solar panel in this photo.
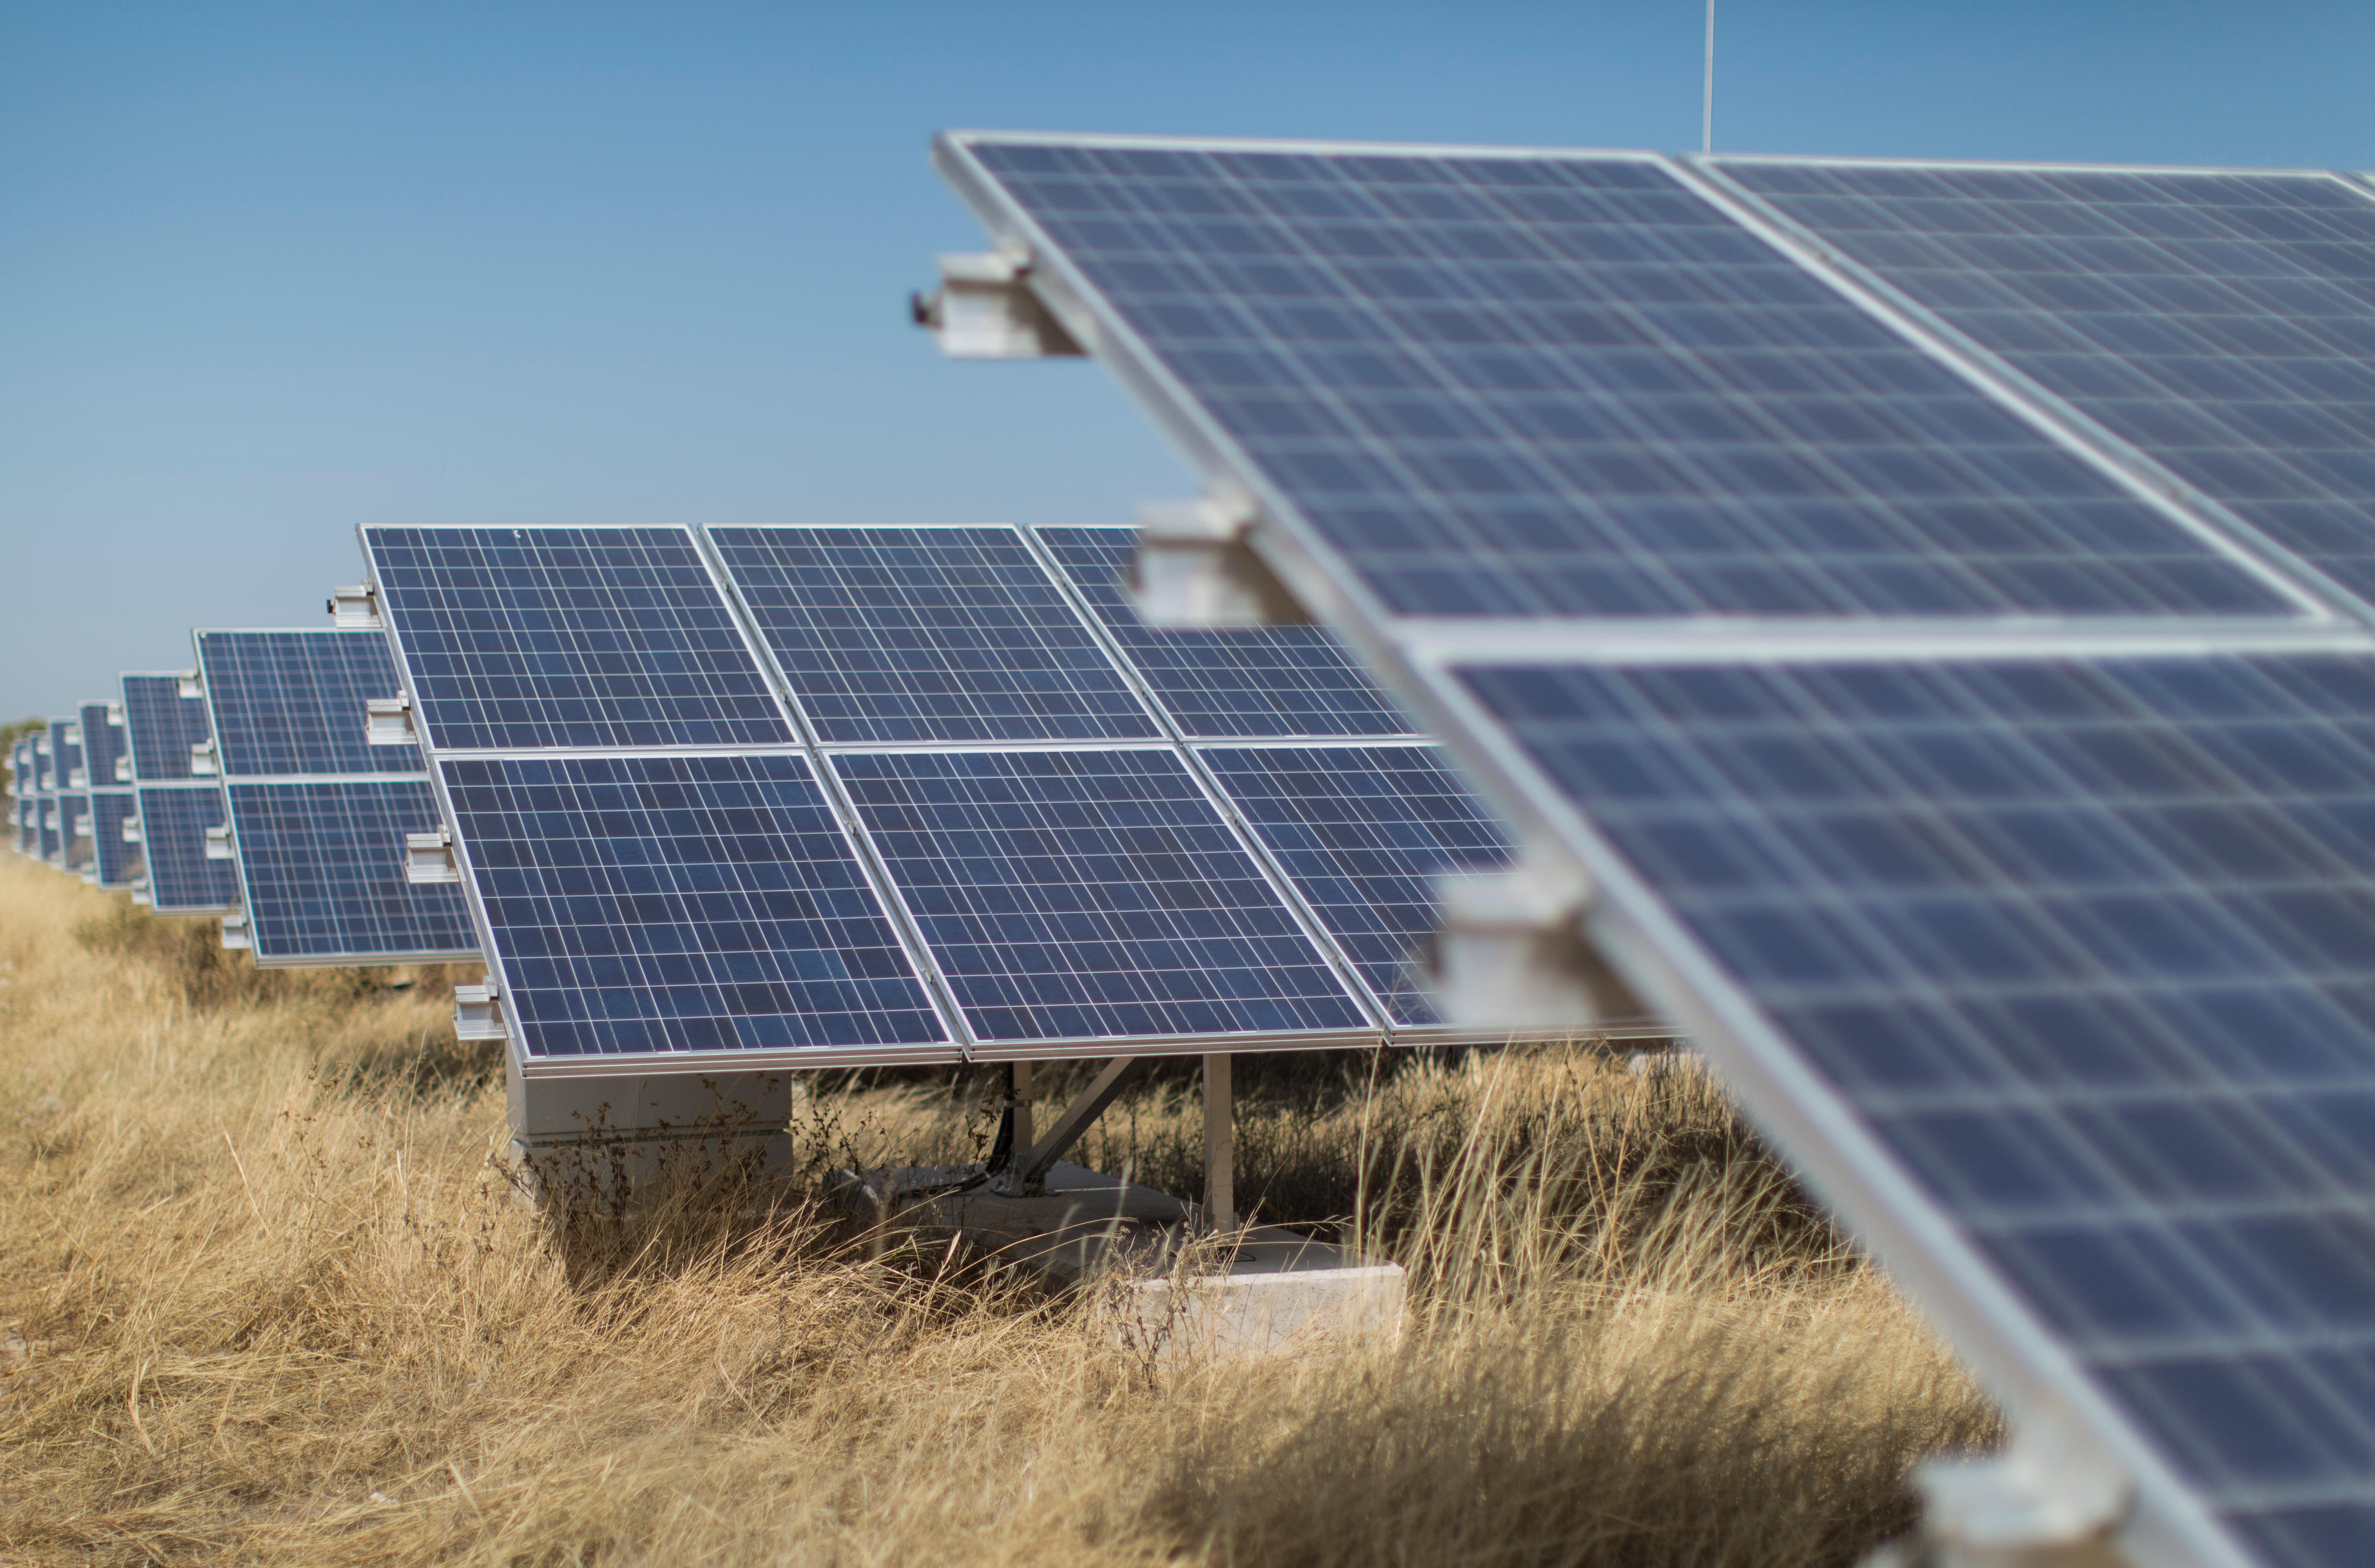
(1553, 385)
(1364, 831)
(1090, 894)
(2221, 322)
(66, 757)
(28, 825)
(289, 704)
(322, 872)
(174, 823)
(45, 833)
(1242, 684)
(43, 777)
(161, 725)
(928, 634)
(577, 637)
(116, 862)
(2091, 948)
(74, 830)
(102, 743)
(679, 903)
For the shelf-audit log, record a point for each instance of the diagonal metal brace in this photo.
(1026, 1171)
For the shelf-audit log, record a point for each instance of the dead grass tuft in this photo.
(264, 1299)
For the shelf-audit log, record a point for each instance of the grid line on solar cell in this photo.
(918, 635)
(672, 903)
(1364, 831)
(321, 868)
(115, 862)
(2222, 323)
(2091, 948)
(102, 743)
(1085, 894)
(1570, 386)
(174, 823)
(292, 703)
(1243, 683)
(580, 637)
(161, 725)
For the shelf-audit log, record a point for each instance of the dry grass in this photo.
(263, 1299)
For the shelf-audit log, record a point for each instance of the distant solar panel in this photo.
(913, 634)
(116, 862)
(1250, 683)
(680, 904)
(1365, 830)
(74, 830)
(292, 703)
(181, 878)
(102, 744)
(321, 868)
(161, 725)
(28, 825)
(66, 757)
(1085, 895)
(43, 779)
(1565, 384)
(2217, 320)
(585, 636)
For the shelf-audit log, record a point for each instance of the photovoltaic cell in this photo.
(908, 634)
(1087, 894)
(161, 725)
(174, 823)
(292, 702)
(2224, 323)
(677, 904)
(2091, 948)
(1248, 683)
(1569, 386)
(115, 862)
(102, 743)
(1364, 831)
(322, 871)
(569, 637)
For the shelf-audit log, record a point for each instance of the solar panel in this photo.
(66, 757)
(1249, 683)
(1365, 830)
(1087, 895)
(2046, 947)
(116, 862)
(181, 878)
(2220, 321)
(43, 779)
(101, 728)
(1565, 384)
(926, 634)
(28, 829)
(589, 637)
(292, 703)
(322, 873)
(673, 904)
(161, 725)
(74, 830)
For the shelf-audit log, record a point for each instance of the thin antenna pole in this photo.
(1707, 109)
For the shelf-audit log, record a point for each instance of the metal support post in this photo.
(1018, 1097)
(1220, 1145)
(1027, 1173)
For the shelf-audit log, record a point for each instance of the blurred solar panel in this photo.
(292, 703)
(74, 830)
(66, 757)
(102, 744)
(1249, 683)
(322, 873)
(579, 637)
(1565, 384)
(1365, 830)
(2218, 320)
(161, 725)
(1092, 895)
(667, 905)
(181, 878)
(907, 635)
(115, 862)
(43, 776)
(28, 825)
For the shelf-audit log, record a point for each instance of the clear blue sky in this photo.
(268, 273)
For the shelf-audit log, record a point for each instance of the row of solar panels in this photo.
(787, 796)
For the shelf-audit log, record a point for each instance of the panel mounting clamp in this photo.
(234, 932)
(429, 858)
(202, 760)
(387, 721)
(1196, 567)
(984, 309)
(355, 608)
(478, 1011)
(188, 687)
(1512, 952)
(2045, 1501)
(218, 845)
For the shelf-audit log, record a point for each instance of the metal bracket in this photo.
(429, 858)
(132, 830)
(219, 845)
(355, 608)
(2048, 1501)
(124, 769)
(1026, 1173)
(202, 760)
(387, 721)
(984, 309)
(234, 932)
(1195, 567)
(1511, 952)
(478, 1011)
(188, 687)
